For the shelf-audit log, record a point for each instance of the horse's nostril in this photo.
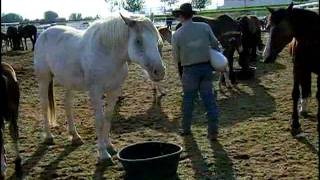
(155, 72)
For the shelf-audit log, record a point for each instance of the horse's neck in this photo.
(95, 44)
(305, 27)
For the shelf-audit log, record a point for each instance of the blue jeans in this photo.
(198, 78)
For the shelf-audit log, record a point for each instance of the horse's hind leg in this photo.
(44, 102)
(75, 138)
(33, 40)
(14, 133)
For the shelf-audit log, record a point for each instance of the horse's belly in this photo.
(69, 76)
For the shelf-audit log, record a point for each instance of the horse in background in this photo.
(96, 61)
(4, 41)
(9, 109)
(251, 40)
(228, 32)
(303, 26)
(166, 34)
(28, 31)
(14, 38)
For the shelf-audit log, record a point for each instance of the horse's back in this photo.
(57, 40)
(58, 52)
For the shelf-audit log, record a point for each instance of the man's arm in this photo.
(175, 49)
(215, 44)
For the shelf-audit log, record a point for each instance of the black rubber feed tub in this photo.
(150, 160)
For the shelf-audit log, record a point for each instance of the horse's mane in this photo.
(225, 17)
(113, 31)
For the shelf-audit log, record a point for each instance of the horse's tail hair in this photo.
(51, 108)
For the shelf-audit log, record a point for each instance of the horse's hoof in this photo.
(111, 150)
(18, 167)
(162, 94)
(76, 141)
(48, 141)
(295, 131)
(105, 162)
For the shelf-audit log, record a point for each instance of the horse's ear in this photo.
(270, 9)
(290, 7)
(128, 21)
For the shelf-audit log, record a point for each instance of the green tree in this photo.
(97, 17)
(114, 4)
(50, 16)
(11, 17)
(88, 18)
(133, 5)
(75, 17)
(200, 4)
(169, 2)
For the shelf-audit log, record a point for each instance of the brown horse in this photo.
(228, 32)
(9, 107)
(250, 38)
(303, 26)
(28, 31)
(165, 33)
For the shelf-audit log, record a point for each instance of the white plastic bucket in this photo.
(218, 61)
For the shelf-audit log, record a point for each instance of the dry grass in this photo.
(255, 142)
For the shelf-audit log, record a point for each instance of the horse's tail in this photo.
(52, 106)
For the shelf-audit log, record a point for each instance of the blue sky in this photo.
(33, 9)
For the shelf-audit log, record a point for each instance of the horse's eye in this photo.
(139, 42)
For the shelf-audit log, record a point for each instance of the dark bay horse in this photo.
(228, 32)
(9, 107)
(14, 38)
(28, 31)
(251, 39)
(303, 26)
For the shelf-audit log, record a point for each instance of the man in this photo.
(169, 22)
(191, 45)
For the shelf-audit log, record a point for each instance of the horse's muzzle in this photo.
(157, 73)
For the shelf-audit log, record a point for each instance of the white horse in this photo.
(94, 60)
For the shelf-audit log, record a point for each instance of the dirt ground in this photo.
(254, 142)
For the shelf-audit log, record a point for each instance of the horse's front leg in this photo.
(111, 101)
(97, 104)
(318, 98)
(2, 156)
(75, 138)
(295, 125)
(25, 43)
(229, 54)
(159, 88)
(306, 93)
